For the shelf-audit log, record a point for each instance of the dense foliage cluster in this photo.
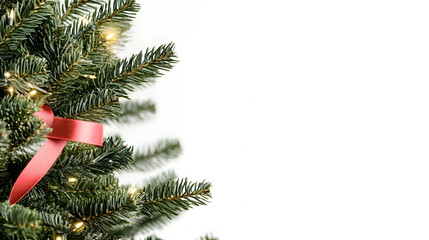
(60, 53)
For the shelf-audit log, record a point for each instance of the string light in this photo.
(72, 180)
(7, 75)
(78, 225)
(33, 92)
(10, 89)
(85, 20)
(90, 76)
(11, 14)
(59, 238)
(110, 36)
(132, 190)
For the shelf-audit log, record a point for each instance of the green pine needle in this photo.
(174, 196)
(29, 14)
(74, 9)
(134, 111)
(152, 157)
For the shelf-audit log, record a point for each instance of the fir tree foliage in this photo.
(209, 236)
(26, 16)
(135, 111)
(75, 9)
(171, 197)
(62, 54)
(3, 140)
(18, 222)
(152, 157)
(153, 237)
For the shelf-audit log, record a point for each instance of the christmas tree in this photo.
(58, 59)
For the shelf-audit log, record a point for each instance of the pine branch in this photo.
(173, 197)
(29, 15)
(116, 13)
(17, 222)
(103, 213)
(25, 128)
(147, 65)
(54, 217)
(26, 74)
(142, 224)
(82, 160)
(99, 183)
(161, 178)
(96, 106)
(65, 62)
(104, 20)
(139, 70)
(134, 111)
(84, 187)
(145, 224)
(153, 237)
(72, 10)
(4, 142)
(157, 155)
(26, 67)
(96, 49)
(86, 163)
(37, 196)
(209, 236)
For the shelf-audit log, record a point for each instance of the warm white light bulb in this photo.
(7, 75)
(72, 179)
(78, 225)
(132, 190)
(33, 92)
(11, 13)
(110, 36)
(10, 89)
(59, 238)
(90, 76)
(85, 20)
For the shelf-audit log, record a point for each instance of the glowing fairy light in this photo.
(72, 180)
(85, 20)
(11, 15)
(132, 190)
(90, 76)
(33, 92)
(59, 238)
(10, 89)
(110, 36)
(7, 75)
(78, 225)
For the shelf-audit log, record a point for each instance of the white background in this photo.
(309, 117)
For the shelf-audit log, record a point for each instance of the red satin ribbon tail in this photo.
(36, 168)
(63, 130)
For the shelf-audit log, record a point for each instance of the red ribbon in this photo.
(63, 130)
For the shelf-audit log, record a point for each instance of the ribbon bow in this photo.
(63, 130)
